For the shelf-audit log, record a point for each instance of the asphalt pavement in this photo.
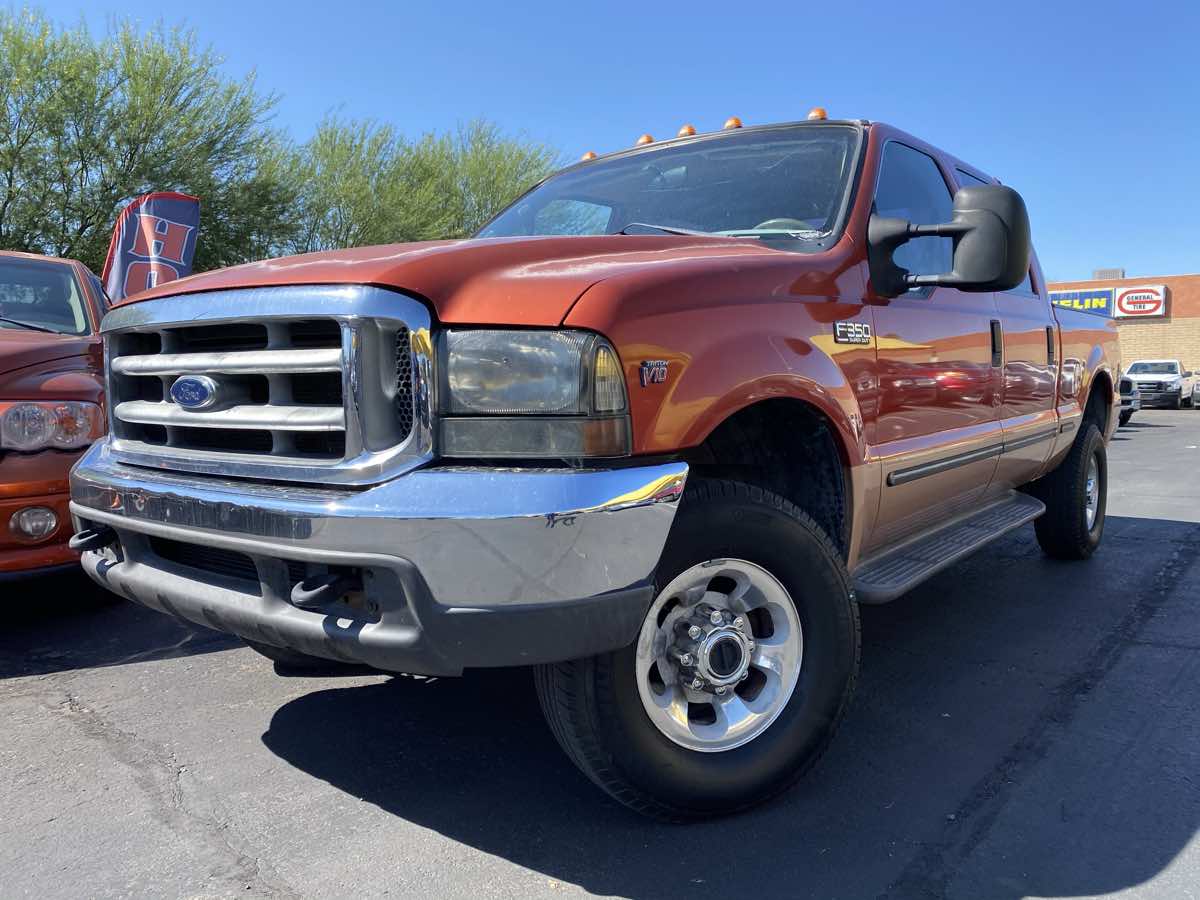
(1023, 727)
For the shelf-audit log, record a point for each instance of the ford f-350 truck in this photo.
(657, 431)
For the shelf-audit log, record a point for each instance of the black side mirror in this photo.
(990, 229)
(1187, 374)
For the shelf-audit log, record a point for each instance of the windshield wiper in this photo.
(665, 229)
(28, 325)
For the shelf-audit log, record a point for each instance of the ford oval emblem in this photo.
(194, 392)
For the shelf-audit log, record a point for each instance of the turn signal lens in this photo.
(733, 122)
(609, 384)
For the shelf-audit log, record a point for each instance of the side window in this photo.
(966, 179)
(911, 187)
(572, 217)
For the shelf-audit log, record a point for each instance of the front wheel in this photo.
(741, 674)
(1124, 418)
(1076, 495)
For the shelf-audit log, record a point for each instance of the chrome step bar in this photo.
(253, 362)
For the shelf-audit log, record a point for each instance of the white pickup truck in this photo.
(1163, 382)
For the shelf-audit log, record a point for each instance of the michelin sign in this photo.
(1098, 301)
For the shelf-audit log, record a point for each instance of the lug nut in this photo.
(685, 659)
(695, 631)
(697, 684)
(739, 622)
(716, 617)
(749, 645)
(721, 689)
(744, 676)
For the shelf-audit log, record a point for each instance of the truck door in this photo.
(1027, 416)
(937, 431)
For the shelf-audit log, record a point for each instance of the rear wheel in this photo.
(743, 669)
(1076, 495)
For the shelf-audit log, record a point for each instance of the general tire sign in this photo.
(1141, 301)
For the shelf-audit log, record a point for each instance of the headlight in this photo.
(510, 393)
(63, 424)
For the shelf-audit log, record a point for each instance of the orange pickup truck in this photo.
(51, 390)
(657, 431)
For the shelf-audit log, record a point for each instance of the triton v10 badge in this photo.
(850, 333)
(653, 371)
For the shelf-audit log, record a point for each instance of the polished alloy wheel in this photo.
(1092, 492)
(719, 655)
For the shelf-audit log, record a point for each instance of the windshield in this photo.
(786, 186)
(42, 294)
(1154, 368)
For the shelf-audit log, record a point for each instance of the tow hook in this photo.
(92, 539)
(318, 590)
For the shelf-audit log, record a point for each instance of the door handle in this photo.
(1050, 344)
(997, 345)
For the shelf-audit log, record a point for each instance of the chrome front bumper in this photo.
(460, 567)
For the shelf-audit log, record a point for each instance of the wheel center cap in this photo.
(723, 656)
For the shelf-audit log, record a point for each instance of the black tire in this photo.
(1062, 530)
(1124, 418)
(1177, 403)
(593, 707)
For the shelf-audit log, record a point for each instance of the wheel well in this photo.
(789, 448)
(1099, 403)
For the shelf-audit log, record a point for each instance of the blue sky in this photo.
(1091, 110)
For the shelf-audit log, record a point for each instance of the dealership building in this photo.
(1158, 317)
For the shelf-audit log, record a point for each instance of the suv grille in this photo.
(297, 389)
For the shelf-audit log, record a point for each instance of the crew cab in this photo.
(51, 390)
(1163, 382)
(657, 431)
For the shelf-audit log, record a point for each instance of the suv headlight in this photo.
(59, 424)
(519, 393)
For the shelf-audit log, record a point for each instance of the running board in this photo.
(898, 571)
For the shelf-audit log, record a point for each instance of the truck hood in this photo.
(511, 281)
(21, 349)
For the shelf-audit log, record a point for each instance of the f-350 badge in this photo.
(653, 371)
(851, 333)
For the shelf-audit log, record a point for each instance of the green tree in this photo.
(362, 183)
(90, 123)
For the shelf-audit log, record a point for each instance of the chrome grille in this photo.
(317, 384)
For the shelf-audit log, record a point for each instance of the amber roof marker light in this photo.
(686, 130)
(817, 113)
(644, 139)
(733, 122)
(590, 155)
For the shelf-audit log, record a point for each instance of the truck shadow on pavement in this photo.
(56, 623)
(1022, 726)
